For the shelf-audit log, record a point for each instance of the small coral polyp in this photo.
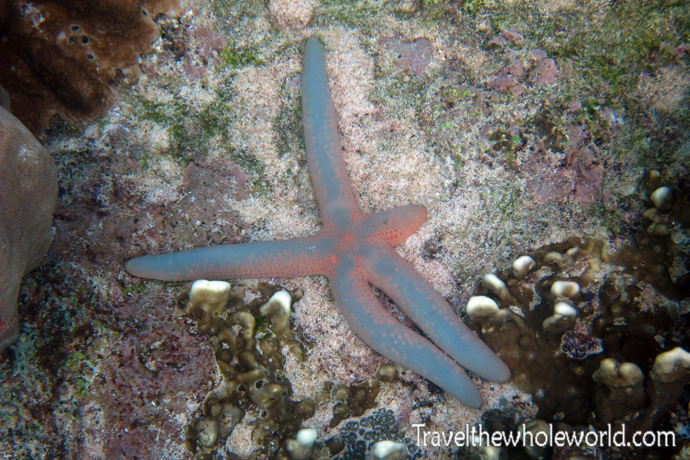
(355, 399)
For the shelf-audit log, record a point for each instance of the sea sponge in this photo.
(61, 56)
(28, 193)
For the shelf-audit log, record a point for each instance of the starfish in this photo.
(355, 251)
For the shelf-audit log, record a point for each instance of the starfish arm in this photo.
(420, 301)
(382, 332)
(394, 225)
(322, 140)
(264, 259)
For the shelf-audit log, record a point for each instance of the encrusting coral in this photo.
(28, 192)
(61, 56)
(574, 319)
(378, 434)
(248, 339)
(353, 250)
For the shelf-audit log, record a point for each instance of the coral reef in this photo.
(61, 56)
(583, 320)
(206, 148)
(249, 341)
(28, 192)
(252, 341)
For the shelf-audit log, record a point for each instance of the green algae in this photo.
(196, 131)
(153, 111)
(356, 14)
(134, 288)
(628, 33)
(237, 9)
(234, 57)
(81, 388)
(608, 48)
(502, 201)
(472, 6)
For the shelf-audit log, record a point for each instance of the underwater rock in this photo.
(546, 73)
(28, 193)
(291, 14)
(509, 79)
(409, 56)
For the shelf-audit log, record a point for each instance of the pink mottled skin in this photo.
(355, 251)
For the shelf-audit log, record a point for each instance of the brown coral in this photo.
(61, 56)
(28, 190)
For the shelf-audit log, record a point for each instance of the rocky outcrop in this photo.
(28, 192)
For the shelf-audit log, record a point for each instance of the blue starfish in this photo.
(354, 251)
